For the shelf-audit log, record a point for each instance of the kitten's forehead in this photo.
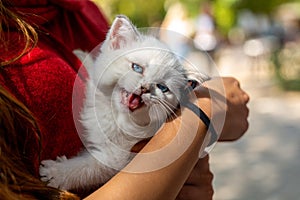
(142, 56)
(153, 56)
(158, 63)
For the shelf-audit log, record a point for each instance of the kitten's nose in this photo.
(145, 88)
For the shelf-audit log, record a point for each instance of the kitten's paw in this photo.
(53, 172)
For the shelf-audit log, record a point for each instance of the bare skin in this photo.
(189, 176)
(199, 183)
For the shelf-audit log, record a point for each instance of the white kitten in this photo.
(134, 84)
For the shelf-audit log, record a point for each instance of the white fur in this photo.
(111, 129)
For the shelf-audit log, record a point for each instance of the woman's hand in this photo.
(236, 122)
(199, 183)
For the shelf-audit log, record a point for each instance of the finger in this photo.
(245, 126)
(243, 122)
(200, 173)
(236, 83)
(201, 91)
(239, 97)
(241, 108)
(200, 178)
(247, 111)
(204, 192)
(246, 97)
(138, 146)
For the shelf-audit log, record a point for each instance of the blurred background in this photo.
(258, 42)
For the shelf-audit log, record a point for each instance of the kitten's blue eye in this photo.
(162, 87)
(135, 67)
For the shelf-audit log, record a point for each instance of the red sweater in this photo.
(43, 79)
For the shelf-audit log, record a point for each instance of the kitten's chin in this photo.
(140, 116)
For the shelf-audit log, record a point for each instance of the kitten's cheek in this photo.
(146, 99)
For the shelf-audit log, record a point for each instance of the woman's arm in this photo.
(166, 182)
(199, 183)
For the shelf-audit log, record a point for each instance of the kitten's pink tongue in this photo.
(134, 101)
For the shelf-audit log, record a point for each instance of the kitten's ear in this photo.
(192, 83)
(121, 33)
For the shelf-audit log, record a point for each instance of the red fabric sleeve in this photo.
(43, 79)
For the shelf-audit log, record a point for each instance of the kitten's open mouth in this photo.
(131, 100)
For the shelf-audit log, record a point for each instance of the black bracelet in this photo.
(205, 119)
(198, 111)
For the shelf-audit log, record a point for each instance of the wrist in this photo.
(205, 105)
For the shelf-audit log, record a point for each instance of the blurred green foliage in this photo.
(145, 13)
(264, 6)
(225, 15)
(287, 67)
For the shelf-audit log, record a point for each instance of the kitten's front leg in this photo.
(52, 171)
(77, 172)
